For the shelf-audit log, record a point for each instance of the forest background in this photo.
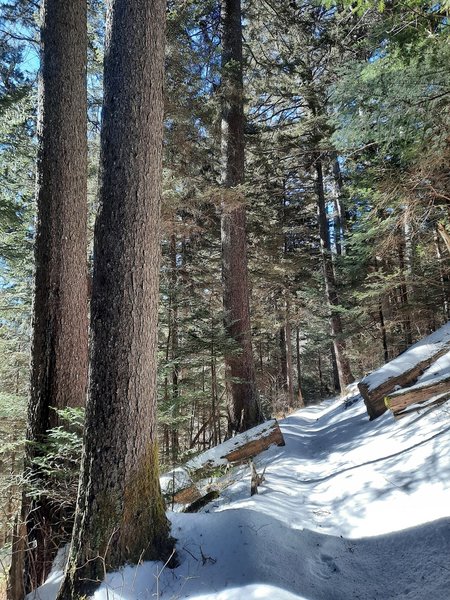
(346, 195)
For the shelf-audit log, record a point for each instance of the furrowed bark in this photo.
(120, 513)
(60, 306)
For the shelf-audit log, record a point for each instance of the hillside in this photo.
(350, 509)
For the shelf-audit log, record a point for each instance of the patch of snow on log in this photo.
(437, 370)
(419, 352)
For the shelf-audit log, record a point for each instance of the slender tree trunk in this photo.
(60, 308)
(174, 346)
(343, 364)
(282, 378)
(339, 218)
(120, 512)
(334, 369)
(319, 369)
(244, 409)
(289, 354)
(443, 276)
(382, 324)
(404, 296)
(301, 401)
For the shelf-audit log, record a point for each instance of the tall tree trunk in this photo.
(120, 512)
(59, 353)
(343, 365)
(244, 409)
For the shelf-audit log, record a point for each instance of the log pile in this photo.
(205, 476)
(398, 384)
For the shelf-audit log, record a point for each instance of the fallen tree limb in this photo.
(186, 486)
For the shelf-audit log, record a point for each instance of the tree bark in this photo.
(120, 512)
(59, 353)
(244, 409)
(342, 362)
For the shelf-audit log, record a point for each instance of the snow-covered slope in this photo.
(350, 509)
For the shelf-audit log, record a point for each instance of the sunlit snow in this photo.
(350, 509)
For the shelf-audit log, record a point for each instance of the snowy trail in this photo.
(350, 509)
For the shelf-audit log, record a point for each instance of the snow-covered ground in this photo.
(350, 509)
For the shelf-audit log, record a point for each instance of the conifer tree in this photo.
(120, 514)
(244, 409)
(60, 310)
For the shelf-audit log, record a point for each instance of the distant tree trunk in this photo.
(60, 309)
(244, 410)
(283, 367)
(343, 365)
(120, 512)
(173, 325)
(320, 372)
(289, 358)
(301, 401)
(382, 324)
(443, 276)
(334, 368)
(404, 296)
(339, 217)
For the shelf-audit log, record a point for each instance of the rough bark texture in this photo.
(342, 362)
(60, 309)
(120, 513)
(244, 409)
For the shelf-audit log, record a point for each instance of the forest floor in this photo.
(349, 509)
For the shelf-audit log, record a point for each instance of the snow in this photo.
(350, 509)
(419, 352)
(437, 370)
(217, 456)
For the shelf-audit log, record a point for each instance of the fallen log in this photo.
(417, 394)
(185, 487)
(403, 370)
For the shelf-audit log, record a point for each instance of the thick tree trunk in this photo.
(244, 410)
(120, 512)
(60, 309)
(342, 362)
